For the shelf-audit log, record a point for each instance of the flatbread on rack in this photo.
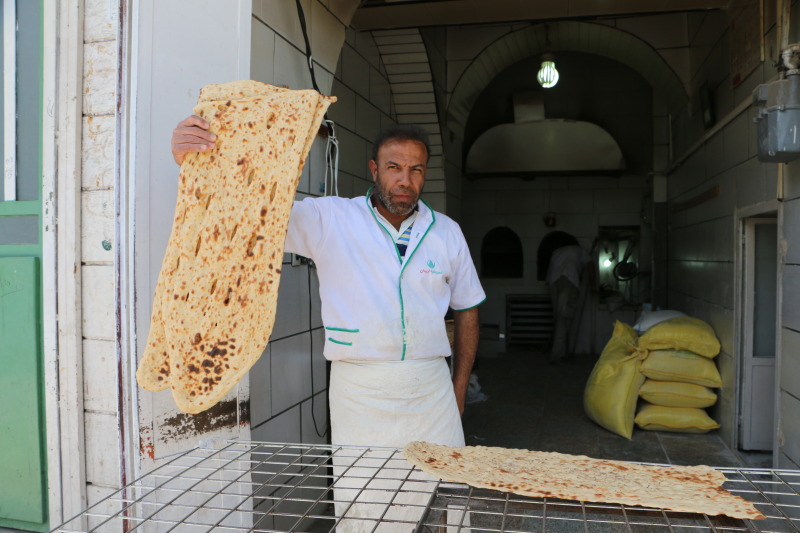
(217, 291)
(693, 489)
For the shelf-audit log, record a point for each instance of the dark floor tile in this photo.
(537, 406)
(642, 447)
(693, 449)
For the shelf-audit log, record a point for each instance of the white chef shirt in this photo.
(375, 306)
(567, 261)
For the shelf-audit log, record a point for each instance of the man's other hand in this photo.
(191, 135)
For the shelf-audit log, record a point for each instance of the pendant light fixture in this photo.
(548, 75)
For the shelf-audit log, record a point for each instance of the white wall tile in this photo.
(343, 111)
(791, 230)
(353, 155)
(355, 71)
(319, 362)
(98, 295)
(98, 151)
(291, 371)
(735, 138)
(100, 20)
(368, 119)
(316, 304)
(314, 424)
(102, 449)
(109, 507)
(791, 286)
(292, 313)
(790, 414)
(380, 91)
(715, 155)
(327, 36)
(100, 383)
(282, 17)
(291, 68)
(97, 225)
(284, 428)
(100, 78)
(315, 165)
(261, 389)
(790, 362)
(365, 44)
(262, 52)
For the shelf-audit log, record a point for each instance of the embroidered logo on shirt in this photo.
(430, 269)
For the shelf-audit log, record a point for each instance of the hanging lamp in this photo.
(548, 75)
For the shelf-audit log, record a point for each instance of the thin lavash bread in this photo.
(217, 291)
(693, 489)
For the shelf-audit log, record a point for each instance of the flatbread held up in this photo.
(693, 489)
(217, 291)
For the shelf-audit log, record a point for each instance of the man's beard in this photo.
(394, 207)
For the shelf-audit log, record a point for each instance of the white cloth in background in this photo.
(567, 261)
(388, 403)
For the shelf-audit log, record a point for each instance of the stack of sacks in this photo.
(680, 373)
(612, 390)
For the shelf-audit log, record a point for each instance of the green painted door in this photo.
(23, 468)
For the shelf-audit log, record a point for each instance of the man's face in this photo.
(399, 175)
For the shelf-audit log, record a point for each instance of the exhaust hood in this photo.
(533, 145)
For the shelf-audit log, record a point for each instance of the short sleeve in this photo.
(465, 287)
(305, 230)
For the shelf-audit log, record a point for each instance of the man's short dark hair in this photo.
(405, 132)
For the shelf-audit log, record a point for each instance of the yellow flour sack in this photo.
(676, 394)
(681, 333)
(686, 367)
(613, 387)
(675, 419)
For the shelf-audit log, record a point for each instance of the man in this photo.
(389, 267)
(564, 279)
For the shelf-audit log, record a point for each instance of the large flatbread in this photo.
(216, 294)
(694, 489)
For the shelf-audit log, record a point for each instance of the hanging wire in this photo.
(332, 161)
(332, 148)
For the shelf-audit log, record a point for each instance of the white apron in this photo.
(388, 403)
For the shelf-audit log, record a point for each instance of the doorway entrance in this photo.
(758, 332)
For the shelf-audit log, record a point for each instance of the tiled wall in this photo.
(284, 405)
(701, 239)
(789, 429)
(97, 248)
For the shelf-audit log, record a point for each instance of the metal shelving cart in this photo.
(258, 486)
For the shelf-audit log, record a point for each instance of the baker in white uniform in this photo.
(389, 268)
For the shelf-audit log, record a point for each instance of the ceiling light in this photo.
(548, 75)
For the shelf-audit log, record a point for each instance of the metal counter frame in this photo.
(263, 487)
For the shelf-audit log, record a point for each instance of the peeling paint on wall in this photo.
(222, 416)
(146, 447)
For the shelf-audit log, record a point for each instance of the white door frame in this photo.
(61, 273)
(740, 216)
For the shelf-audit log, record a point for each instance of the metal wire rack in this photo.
(263, 487)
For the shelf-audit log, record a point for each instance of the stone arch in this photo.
(575, 36)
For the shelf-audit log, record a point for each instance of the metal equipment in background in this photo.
(778, 105)
(255, 486)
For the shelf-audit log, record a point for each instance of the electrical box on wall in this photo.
(778, 105)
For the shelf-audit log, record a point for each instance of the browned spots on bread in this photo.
(217, 218)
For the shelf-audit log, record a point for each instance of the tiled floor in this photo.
(538, 406)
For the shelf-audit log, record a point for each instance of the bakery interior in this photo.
(655, 150)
